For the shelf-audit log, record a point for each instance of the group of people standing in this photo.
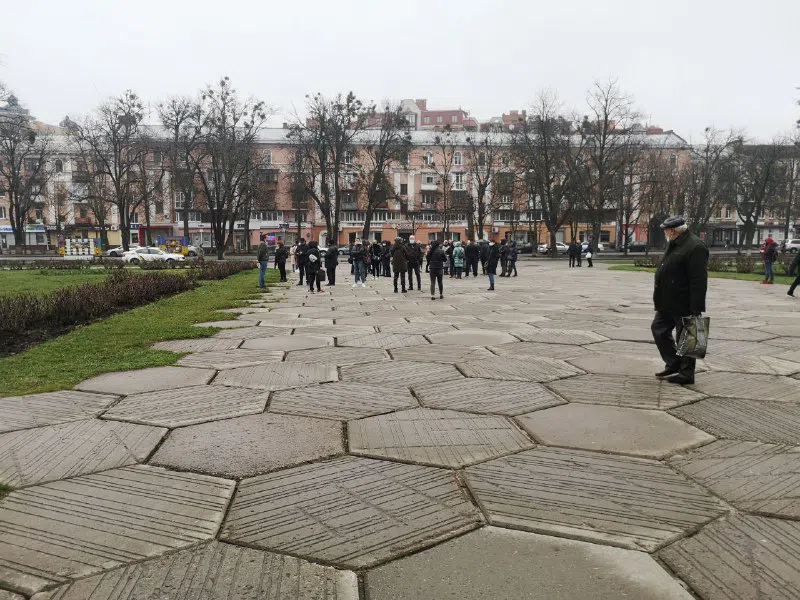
(575, 251)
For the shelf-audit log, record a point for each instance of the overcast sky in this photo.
(687, 63)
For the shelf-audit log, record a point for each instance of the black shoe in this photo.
(403, 291)
(433, 297)
(680, 379)
(790, 294)
(667, 372)
(441, 297)
(491, 289)
(395, 290)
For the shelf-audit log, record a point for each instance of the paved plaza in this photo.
(359, 444)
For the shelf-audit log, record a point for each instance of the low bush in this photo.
(211, 270)
(75, 305)
(718, 263)
(744, 263)
(649, 262)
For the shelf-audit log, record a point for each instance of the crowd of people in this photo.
(403, 260)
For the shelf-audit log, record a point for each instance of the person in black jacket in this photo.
(448, 265)
(302, 258)
(483, 252)
(573, 251)
(504, 251)
(436, 260)
(414, 263)
(794, 269)
(281, 255)
(492, 258)
(386, 258)
(375, 256)
(331, 261)
(681, 281)
(313, 264)
(512, 258)
(263, 260)
(399, 263)
(472, 253)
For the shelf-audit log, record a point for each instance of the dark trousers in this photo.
(471, 264)
(402, 275)
(578, 258)
(503, 267)
(512, 266)
(436, 276)
(571, 261)
(387, 272)
(411, 270)
(313, 279)
(376, 267)
(282, 270)
(302, 268)
(483, 266)
(794, 285)
(331, 274)
(662, 327)
(589, 260)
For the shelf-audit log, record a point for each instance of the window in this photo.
(159, 207)
(2, 212)
(267, 157)
(61, 200)
(457, 159)
(83, 212)
(454, 119)
(429, 178)
(193, 216)
(429, 158)
(134, 218)
(427, 120)
(404, 189)
(481, 159)
(404, 159)
(506, 160)
(40, 239)
(182, 201)
(157, 157)
(673, 160)
(348, 157)
(31, 164)
(39, 214)
(728, 212)
(440, 119)
(505, 198)
(268, 215)
(458, 181)
(59, 166)
(428, 200)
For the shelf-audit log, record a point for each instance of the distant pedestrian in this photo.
(263, 260)
(493, 257)
(357, 254)
(512, 258)
(472, 254)
(794, 269)
(375, 256)
(399, 263)
(589, 254)
(579, 254)
(503, 258)
(331, 262)
(414, 263)
(427, 258)
(292, 257)
(458, 259)
(573, 251)
(681, 281)
(281, 256)
(483, 253)
(386, 258)
(449, 264)
(313, 266)
(436, 268)
(302, 258)
(770, 254)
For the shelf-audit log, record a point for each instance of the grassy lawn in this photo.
(121, 342)
(45, 281)
(715, 274)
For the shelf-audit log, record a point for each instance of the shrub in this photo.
(74, 305)
(648, 261)
(745, 263)
(718, 263)
(783, 263)
(210, 270)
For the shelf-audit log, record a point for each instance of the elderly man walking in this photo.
(681, 281)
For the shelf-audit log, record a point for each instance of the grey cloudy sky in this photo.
(687, 63)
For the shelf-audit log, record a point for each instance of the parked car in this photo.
(791, 245)
(344, 250)
(114, 252)
(638, 247)
(194, 251)
(561, 248)
(585, 247)
(525, 248)
(150, 254)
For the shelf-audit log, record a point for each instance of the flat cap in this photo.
(675, 221)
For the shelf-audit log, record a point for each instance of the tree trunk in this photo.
(553, 248)
(367, 223)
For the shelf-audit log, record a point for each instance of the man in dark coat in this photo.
(263, 260)
(681, 281)
(493, 257)
(436, 267)
(573, 251)
(483, 253)
(399, 262)
(503, 257)
(472, 253)
(313, 264)
(331, 261)
(414, 263)
(302, 258)
(794, 269)
(386, 258)
(281, 255)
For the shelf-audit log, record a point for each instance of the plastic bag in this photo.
(693, 341)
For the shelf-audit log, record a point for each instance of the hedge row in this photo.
(732, 264)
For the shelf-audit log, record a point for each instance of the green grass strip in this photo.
(714, 274)
(122, 342)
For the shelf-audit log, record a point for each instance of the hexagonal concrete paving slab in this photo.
(231, 359)
(205, 345)
(252, 332)
(187, 406)
(146, 380)
(618, 390)
(247, 446)
(618, 500)
(34, 456)
(114, 517)
(277, 376)
(752, 387)
(515, 369)
(341, 401)
(628, 334)
(288, 342)
(215, 571)
(338, 356)
(752, 364)
(224, 324)
(486, 396)
(537, 350)
(504, 564)
(754, 477)
(6, 595)
(50, 408)
(403, 373)
(416, 328)
(555, 336)
(382, 340)
(740, 558)
(442, 438)
(632, 431)
(440, 353)
(616, 364)
(751, 420)
(472, 337)
(296, 322)
(353, 512)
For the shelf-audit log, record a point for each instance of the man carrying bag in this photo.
(681, 281)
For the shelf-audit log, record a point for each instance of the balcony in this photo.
(429, 182)
(80, 176)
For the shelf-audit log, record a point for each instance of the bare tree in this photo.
(300, 175)
(442, 163)
(791, 179)
(225, 155)
(147, 178)
(758, 180)
(379, 148)
(552, 162)
(327, 140)
(607, 135)
(491, 178)
(90, 191)
(25, 169)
